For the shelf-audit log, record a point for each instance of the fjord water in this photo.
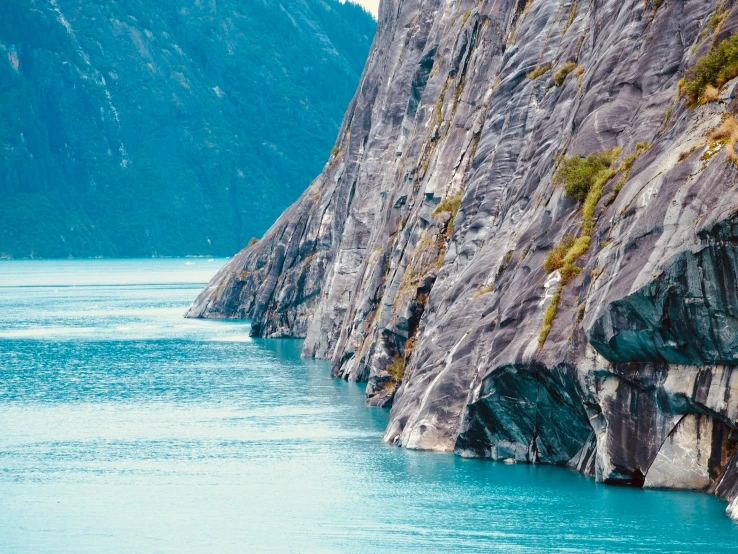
(125, 428)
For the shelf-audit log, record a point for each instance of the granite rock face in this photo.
(440, 309)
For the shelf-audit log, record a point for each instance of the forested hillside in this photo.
(132, 128)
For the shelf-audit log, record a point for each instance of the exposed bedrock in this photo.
(415, 261)
(526, 414)
(650, 425)
(688, 314)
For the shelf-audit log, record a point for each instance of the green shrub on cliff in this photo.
(450, 204)
(539, 71)
(563, 72)
(718, 17)
(548, 318)
(714, 69)
(555, 258)
(397, 368)
(579, 175)
(585, 180)
(564, 256)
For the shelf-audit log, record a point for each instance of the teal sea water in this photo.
(125, 428)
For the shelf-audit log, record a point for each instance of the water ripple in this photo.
(128, 429)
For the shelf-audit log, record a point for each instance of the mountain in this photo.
(132, 128)
(526, 240)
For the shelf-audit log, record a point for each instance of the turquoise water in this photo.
(125, 428)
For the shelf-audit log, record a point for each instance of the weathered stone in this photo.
(526, 413)
(375, 264)
(691, 455)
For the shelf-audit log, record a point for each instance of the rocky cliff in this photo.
(134, 128)
(526, 238)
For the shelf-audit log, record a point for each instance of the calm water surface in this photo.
(125, 428)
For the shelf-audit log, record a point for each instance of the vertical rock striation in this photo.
(415, 261)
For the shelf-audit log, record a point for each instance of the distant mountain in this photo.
(135, 128)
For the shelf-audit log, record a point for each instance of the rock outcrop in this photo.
(415, 261)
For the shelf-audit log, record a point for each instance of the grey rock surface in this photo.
(441, 312)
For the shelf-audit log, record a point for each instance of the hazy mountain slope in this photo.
(131, 128)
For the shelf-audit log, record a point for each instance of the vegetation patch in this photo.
(564, 256)
(572, 15)
(442, 253)
(430, 252)
(548, 318)
(580, 314)
(714, 69)
(617, 188)
(640, 148)
(457, 94)
(593, 198)
(539, 71)
(578, 175)
(450, 204)
(563, 72)
(667, 117)
(555, 258)
(718, 18)
(438, 110)
(397, 368)
(505, 263)
(625, 167)
(713, 148)
(252, 242)
(728, 132)
(569, 270)
(585, 180)
(687, 153)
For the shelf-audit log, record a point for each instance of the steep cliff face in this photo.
(441, 257)
(133, 128)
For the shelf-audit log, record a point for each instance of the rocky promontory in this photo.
(525, 239)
